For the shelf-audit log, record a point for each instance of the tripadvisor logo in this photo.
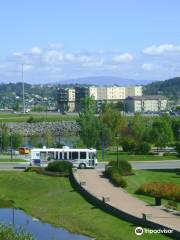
(139, 231)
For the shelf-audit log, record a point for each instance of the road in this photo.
(13, 166)
(165, 164)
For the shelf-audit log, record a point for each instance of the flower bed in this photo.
(166, 190)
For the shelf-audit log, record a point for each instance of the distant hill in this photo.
(169, 88)
(104, 80)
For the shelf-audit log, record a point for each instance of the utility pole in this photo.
(22, 72)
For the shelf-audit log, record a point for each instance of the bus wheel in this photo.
(82, 166)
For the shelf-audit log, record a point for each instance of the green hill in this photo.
(169, 88)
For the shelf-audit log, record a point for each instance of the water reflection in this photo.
(40, 230)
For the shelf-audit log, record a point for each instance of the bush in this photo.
(117, 180)
(35, 169)
(128, 145)
(143, 148)
(178, 148)
(169, 191)
(122, 166)
(59, 166)
(114, 175)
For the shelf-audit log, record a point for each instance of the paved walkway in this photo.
(100, 186)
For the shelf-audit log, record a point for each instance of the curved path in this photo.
(100, 187)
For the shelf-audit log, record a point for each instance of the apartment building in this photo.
(66, 99)
(146, 104)
(71, 98)
(134, 91)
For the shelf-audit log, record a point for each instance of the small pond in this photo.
(38, 229)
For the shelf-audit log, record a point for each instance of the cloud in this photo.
(27, 67)
(147, 66)
(35, 51)
(54, 62)
(17, 54)
(53, 56)
(56, 46)
(155, 50)
(123, 58)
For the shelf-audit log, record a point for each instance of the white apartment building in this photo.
(146, 104)
(132, 91)
(93, 92)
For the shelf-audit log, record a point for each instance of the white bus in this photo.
(80, 158)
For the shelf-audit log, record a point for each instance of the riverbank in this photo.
(54, 200)
(39, 128)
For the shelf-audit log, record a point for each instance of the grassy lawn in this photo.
(148, 176)
(13, 160)
(53, 200)
(37, 116)
(112, 155)
(7, 158)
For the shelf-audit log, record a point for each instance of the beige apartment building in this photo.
(71, 98)
(146, 104)
(134, 91)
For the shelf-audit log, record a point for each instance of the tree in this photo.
(17, 140)
(128, 144)
(178, 148)
(143, 148)
(4, 136)
(138, 127)
(161, 133)
(48, 139)
(34, 140)
(89, 123)
(176, 128)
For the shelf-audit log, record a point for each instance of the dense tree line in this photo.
(169, 88)
(135, 134)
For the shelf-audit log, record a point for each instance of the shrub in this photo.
(59, 166)
(123, 167)
(115, 176)
(166, 190)
(143, 148)
(117, 180)
(128, 145)
(31, 119)
(35, 169)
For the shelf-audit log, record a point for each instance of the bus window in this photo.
(50, 155)
(82, 155)
(65, 155)
(43, 156)
(56, 156)
(74, 155)
(92, 155)
(70, 155)
(60, 155)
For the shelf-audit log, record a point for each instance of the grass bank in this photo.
(39, 117)
(112, 155)
(148, 176)
(53, 200)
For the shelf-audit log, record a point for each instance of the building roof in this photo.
(147, 97)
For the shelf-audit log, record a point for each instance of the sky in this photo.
(64, 39)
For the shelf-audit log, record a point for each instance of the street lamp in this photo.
(11, 143)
